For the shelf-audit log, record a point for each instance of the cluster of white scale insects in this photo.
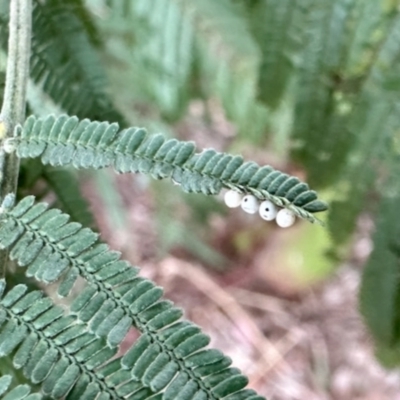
(266, 209)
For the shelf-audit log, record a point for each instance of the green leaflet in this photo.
(85, 144)
(169, 358)
(20, 392)
(5, 381)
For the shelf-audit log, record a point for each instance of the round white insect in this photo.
(233, 198)
(268, 210)
(250, 204)
(285, 218)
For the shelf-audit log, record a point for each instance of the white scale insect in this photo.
(250, 204)
(267, 210)
(285, 218)
(232, 198)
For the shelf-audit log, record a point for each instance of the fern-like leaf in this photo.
(66, 140)
(169, 358)
(64, 60)
(57, 351)
(322, 96)
(377, 110)
(359, 176)
(335, 89)
(162, 52)
(277, 26)
(368, 18)
(380, 288)
(229, 61)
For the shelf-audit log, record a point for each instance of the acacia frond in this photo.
(359, 176)
(322, 102)
(20, 392)
(64, 60)
(335, 90)
(80, 10)
(58, 352)
(170, 356)
(222, 31)
(368, 17)
(159, 63)
(278, 26)
(377, 110)
(229, 61)
(85, 144)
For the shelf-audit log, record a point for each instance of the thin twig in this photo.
(13, 108)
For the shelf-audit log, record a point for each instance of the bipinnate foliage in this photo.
(346, 99)
(381, 285)
(64, 60)
(319, 124)
(332, 64)
(282, 22)
(73, 355)
(90, 144)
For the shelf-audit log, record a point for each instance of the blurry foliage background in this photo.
(311, 87)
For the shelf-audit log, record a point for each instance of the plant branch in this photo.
(13, 108)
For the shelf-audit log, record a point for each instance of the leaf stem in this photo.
(14, 104)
